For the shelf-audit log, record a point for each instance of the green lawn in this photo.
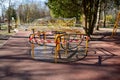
(4, 30)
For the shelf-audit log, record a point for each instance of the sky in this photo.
(27, 1)
(17, 2)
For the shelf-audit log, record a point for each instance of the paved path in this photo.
(16, 63)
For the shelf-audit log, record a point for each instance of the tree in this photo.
(2, 11)
(30, 12)
(98, 22)
(65, 8)
(8, 15)
(117, 3)
(90, 8)
(11, 13)
(107, 8)
(72, 8)
(0, 23)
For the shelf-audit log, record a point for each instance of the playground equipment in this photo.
(116, 25)
(67, 44)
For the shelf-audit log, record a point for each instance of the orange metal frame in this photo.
(116, 25)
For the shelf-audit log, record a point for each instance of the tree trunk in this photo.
(92, 26)
(98, 23)
(0, 26)
(104, 23)
(0, 23)
(91, 30)
(9, 27)
(90, 8)
(104, 15)
(86, 30)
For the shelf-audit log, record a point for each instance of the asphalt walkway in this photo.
(17, 64)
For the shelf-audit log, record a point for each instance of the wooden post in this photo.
(33, 30)
(99, 60)
(116, 25)
(32, 45)
(32, 51)
(57, 48)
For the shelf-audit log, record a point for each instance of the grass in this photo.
(4, 30)
(4, 33)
